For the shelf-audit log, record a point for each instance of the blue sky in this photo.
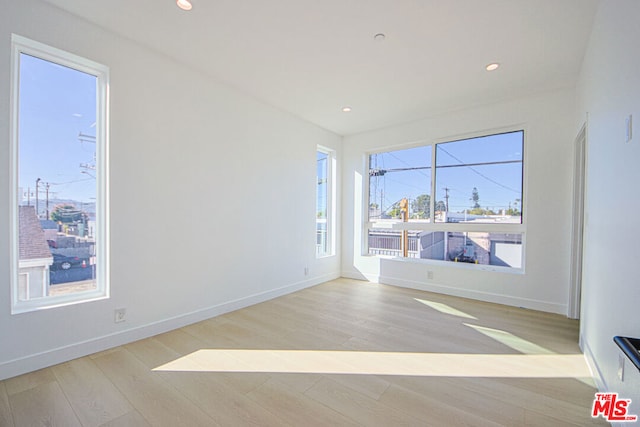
(499, 185)
(56, 104)
(321, 174)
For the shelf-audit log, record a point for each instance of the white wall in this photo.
(609, 91)
(212, 198)
(549, 135)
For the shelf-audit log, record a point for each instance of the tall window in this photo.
(59, 136)
(324, 202)
(476, 214)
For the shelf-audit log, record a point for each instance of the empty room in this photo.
(319, 213)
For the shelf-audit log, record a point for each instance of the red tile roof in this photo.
(31, 240)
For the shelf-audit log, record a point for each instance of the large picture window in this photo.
(59, 136)
(476, 215)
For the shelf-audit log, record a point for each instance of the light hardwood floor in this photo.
(341, 353)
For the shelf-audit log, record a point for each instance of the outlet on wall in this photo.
(120, 315)
(429, 275)
(306, 271)
(620, 367)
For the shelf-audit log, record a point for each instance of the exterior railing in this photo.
(390, 243)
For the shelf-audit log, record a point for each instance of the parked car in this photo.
(63, 262)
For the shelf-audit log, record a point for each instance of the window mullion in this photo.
(433, 184)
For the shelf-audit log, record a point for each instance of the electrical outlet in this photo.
(629, 127)
(621, 367)
(429, 275)
(306, 271)
(120, 315)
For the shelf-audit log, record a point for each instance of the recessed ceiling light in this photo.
(379, 37)
(184, 4)
(346, 109)
(492, 67)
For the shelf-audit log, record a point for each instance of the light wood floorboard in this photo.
(43, 405)
(306, 359)
(130, 419)
(92, 395)
(6, 419)
(156, 400)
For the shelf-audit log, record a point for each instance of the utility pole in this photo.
(47, 185)
(37, 183)
(446, 198)
(446, 219)
(83, 137)
(404, 211)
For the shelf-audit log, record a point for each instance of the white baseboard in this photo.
(532, 304)
(360, 276)
(58, 355)
(601, 384)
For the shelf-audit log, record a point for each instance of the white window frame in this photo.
(22, 45)
(443, 226)
(331, 201)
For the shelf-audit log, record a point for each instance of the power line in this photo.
(470, 166)
(383, 172)
(404, 184)
(402, 161)
(71, 182)
(497, 162)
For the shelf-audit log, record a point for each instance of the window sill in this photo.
(46, 303)
(451, 264)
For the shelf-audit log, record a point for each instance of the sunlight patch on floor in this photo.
(510, 340)
(446, 309)
(383, 363)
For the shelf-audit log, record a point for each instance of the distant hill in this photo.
(88, 207)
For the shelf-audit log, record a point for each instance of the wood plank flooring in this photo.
(344, 353)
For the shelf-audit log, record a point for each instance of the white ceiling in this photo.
(312, 57)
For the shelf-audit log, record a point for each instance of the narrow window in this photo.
(59, 137)
(324, 202)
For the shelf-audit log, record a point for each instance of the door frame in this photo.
(578, 221)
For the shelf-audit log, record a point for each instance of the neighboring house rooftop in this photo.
(48, 224)
(31, 240)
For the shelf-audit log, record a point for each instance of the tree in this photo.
(514, 210)
(481, 211)
(475, 198)
(420, 206)
(67, 214)
(440, 206)
(394, 213)
(516, 203)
